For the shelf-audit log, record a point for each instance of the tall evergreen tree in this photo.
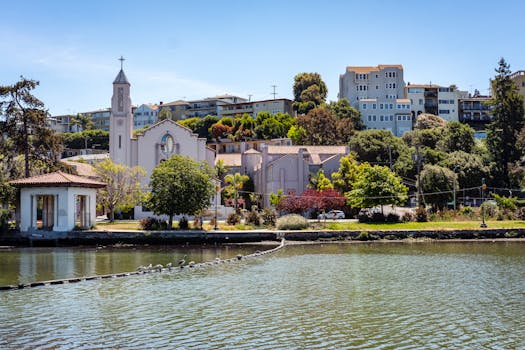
(508, 118)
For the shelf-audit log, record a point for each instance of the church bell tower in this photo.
(121, 120)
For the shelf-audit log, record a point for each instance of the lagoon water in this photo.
(331, 296)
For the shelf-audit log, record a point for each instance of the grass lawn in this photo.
(435, 225)
(353, 226)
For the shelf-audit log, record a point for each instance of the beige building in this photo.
(439, 100)
(284, 167)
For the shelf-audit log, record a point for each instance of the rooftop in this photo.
(368, 69)
(57, 179)
(121, 78)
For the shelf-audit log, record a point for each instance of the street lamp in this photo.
(483, 188)
(217, 189)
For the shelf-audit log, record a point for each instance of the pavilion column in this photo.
(45, 203)
(34, 202)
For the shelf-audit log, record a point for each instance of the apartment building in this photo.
(379, 94)
(181, 109)
(435, 99)
(145, 114)
(63, 123)
(279, 105)
(475, 111)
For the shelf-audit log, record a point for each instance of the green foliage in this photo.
(506, 203)
(236, 182)
(270, 126)
(200, 126)
(342, 109)
(376, 185)
(365, 236)
(438, 181)
(456, 136)
(180, 185)
(292, 222)
(297, 134)
(377, 146)
(253, 218)
(321, 127)
(275, 198)
(507, 122)
(123, 188)
(97, 139)
(345, 177)
(309, 91)
(469, 168)
(319, 181)
(85, 122)
(4, 220)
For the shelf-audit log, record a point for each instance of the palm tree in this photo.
(236, 181)
(85, 122)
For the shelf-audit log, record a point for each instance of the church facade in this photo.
(149, 148)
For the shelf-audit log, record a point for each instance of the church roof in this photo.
(230, 159)
(121, 78)
(57, 179)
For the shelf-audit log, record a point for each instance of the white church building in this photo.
(156, 143)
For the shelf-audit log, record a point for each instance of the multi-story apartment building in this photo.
(280, 105)
(519, 78)
(145, 114)
(200, 108)
(379, 94)
(475, 111)
(435, 99)
(63, 123)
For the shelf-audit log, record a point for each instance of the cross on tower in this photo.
(121, 59)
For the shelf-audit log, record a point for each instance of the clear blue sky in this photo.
(194, 49)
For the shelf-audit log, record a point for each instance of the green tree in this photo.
(376, 185)
(123, 190)
(275, 198)
(180, 185)
(320, 182)
(502, 132)
(23, 127)
(270, 126)
(309, 92)
(200, 126)
(469, 168)
(437, 184)
(243, 128)
(165, 113)
(297, 134)
(377, 146)
(221, 169)
(346, 176)
(456, 136)
(82, 121)
(343, 110)
(236, 182)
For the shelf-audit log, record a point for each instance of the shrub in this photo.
(253, 218)
(520, 213)
(233, 219)
(4, 220)
(150, 224)
(363, 216)
(269, 217)
(377, 217)
(292, 222)
(421, 215)
(408, 216)
(183, 223)
(392, 217)
(491, 210)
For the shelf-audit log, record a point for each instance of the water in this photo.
(387, 296)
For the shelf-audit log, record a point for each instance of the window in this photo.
(394, 85)
(420, 101)
(381, 118)
(369, 118)
(380, 106)
(391, 106)
(364, 106)
(391, 118)
(444, 111)
(377, 87)
(374, 106)
(119, 141)
(374, 118)
(399, 117)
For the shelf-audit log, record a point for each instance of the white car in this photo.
(332, 214)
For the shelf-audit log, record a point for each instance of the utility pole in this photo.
(483, 188)
(274, 93)
(249, 97)
(390, 156)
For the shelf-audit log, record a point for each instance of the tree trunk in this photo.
(170, 222)
(111, 215)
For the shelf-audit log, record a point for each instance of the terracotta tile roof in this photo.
(57, 179)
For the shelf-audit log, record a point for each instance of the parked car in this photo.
(332, 214)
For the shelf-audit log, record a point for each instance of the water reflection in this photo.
(26, 265)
